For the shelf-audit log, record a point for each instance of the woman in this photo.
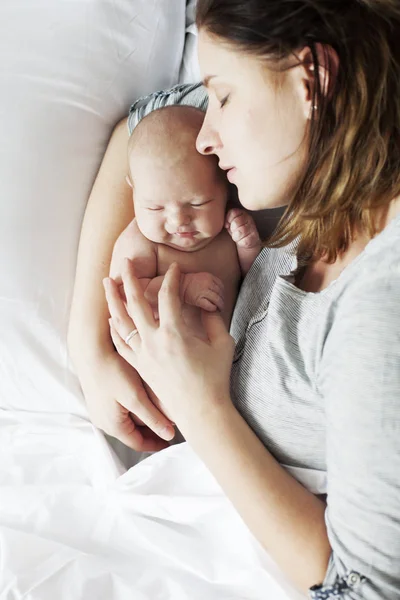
(303, 110)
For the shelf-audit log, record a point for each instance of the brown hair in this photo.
(354, 152)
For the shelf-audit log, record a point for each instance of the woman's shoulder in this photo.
(363, 317)
(375, 275)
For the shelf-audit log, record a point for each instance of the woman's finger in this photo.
(138, 438)
(122, 348)
(144, 409)
(142, 406)
(139, 308)
(215, 328)
(122, 322)
(169, 300)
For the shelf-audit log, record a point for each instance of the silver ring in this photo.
(130, 336)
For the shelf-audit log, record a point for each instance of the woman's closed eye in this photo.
(224, 101)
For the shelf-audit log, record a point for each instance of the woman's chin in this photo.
(251, 200)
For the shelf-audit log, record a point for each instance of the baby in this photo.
(180, 199)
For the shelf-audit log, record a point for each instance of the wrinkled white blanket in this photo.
(74, 525)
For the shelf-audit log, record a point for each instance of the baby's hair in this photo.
(165, 128)
(171, 121)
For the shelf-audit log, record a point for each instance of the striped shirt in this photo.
(317, 377)
(182, 94)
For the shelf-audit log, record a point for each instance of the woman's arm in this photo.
(116, 399)
(352, 551)
(284, 517)
(287, 519)
(108, 212)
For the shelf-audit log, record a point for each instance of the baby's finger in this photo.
(239, 221)
(238, 234)
(207, 305)
(232, 214)
(215, 298)
(217, 286)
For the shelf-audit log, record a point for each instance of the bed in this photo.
(76, 522)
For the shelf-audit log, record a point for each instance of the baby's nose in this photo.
(180, 219)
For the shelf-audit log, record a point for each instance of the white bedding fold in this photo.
(73, 526)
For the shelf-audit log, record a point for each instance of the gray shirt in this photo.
(317, 376)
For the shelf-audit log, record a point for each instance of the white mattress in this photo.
(75, 524)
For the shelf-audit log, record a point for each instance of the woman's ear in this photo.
(328, 68)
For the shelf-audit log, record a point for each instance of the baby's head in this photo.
(179, 195)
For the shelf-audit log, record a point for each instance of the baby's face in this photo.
(180, 203)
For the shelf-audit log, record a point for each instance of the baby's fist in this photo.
(203, 290)
(242, 229)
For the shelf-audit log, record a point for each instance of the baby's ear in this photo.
(128, 180)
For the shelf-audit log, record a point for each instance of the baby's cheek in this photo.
(215, 222)
(152, 229)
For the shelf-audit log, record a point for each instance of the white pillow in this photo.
(68, 72)
(190, 70)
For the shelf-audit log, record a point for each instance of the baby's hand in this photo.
(203, 290)
(242, 229)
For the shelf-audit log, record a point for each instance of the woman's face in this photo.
(256, 122)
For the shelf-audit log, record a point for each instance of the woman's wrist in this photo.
(204, 419)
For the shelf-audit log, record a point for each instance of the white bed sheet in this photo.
(75, 526)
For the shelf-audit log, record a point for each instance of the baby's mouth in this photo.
(187, 234)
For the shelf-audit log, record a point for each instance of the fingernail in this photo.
(167, 433)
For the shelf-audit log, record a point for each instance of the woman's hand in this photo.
(119, 405)
(190, 376)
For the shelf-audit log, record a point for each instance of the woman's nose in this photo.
(208, 140)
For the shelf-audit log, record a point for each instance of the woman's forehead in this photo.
(221, 63)
(215, 57)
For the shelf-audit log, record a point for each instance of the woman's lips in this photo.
(231, 174)
(230, 171)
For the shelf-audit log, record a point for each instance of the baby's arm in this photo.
(142, 252)
(203, 290)
(198, 289)
(243, 231)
